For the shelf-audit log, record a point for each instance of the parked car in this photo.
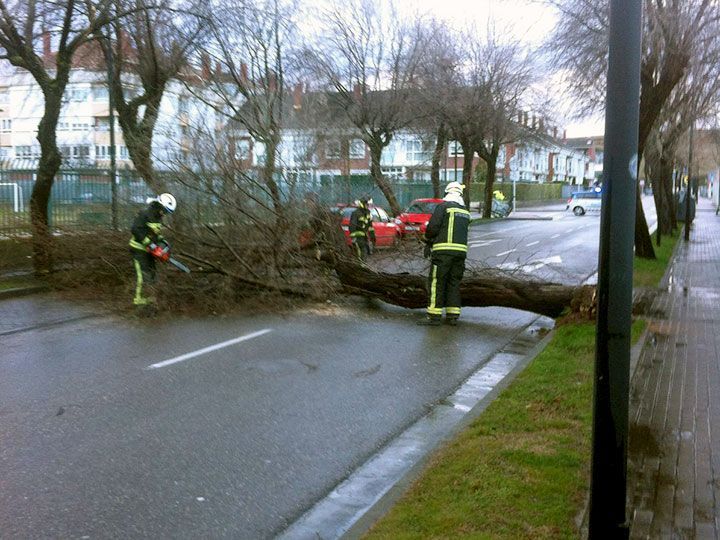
(387, 231)
(415, 218)
(582, 202)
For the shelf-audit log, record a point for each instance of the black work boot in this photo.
(430, 321)
(452, 321)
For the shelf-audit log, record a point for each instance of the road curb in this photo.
(23, 291)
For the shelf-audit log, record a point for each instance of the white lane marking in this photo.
(532, 243)
(211, 348)
(483, 243)
(504, 253)
(554, 236)
(531, 266)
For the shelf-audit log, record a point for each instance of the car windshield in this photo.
(422, 208)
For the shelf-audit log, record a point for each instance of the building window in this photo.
(332, 149)
(27, 151)
(455, 149)
(4, 152)
(5, 125)
(418, 151)
(100, 93)
(242, 149)
(4, 95)
(102, 151)
(80, 126)
(122, 151)
(102, 123)
(393, 173)
(63, 126)
(79, 152)
(357, 149)
(78, 94)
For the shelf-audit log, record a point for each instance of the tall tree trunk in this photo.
(438, 155)
(50, 161)
(491, 162)
(376, 148)
(467, 173)
(643, 241)
(268, 177)
(138, 136)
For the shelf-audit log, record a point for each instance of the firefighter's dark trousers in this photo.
(360, 247)
(446, 272)
(145, 275)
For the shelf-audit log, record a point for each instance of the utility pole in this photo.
(688, 191)
(608, 487)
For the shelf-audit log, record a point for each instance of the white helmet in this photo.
(168, 202)
(455, 187)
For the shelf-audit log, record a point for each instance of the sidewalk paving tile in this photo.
(674, 447)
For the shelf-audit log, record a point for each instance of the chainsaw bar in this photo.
(180, 266)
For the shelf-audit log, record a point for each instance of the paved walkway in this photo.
(674, 455)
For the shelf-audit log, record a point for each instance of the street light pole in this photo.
(608, 487)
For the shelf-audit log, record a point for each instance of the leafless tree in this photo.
(369, 56)
(249, 44)
(23, 26)
(695, 98)
(503, 69)
(149, 47)
(436, 75)
(672, 33)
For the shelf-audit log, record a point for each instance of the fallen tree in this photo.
(482, 288)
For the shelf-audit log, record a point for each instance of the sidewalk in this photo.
(674, 443)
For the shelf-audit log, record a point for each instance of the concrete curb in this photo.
(23, 291)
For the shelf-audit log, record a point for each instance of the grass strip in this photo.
(649, 272)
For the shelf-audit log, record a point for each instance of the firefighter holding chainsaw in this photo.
(147, 244)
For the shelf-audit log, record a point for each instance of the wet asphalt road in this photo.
(239, 441)
(234, 443)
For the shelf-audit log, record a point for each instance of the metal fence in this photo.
(82, 199)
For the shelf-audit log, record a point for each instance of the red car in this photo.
(415, 218)
(387, 231)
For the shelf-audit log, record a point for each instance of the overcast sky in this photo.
(526, 19)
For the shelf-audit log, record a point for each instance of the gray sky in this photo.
(531, 21)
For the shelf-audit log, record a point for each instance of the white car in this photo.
(582, 202)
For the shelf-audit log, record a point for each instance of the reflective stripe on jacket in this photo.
(360, 223)
(447, 229)
(146, 228)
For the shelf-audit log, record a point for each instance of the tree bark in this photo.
(138, 136)
(488, 289)
(50, 161)
(643, 241)
(491, 160)
(438, 154)
(376, 148)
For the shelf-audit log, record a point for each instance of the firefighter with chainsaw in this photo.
(446, 238)
(147, 244)
(362, 234)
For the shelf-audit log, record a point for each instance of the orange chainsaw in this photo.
(162, 252)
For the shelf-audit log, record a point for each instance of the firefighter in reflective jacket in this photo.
(446, 236)
(362, 234)
(146, 240)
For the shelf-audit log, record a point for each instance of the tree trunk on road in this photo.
(490, 288)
